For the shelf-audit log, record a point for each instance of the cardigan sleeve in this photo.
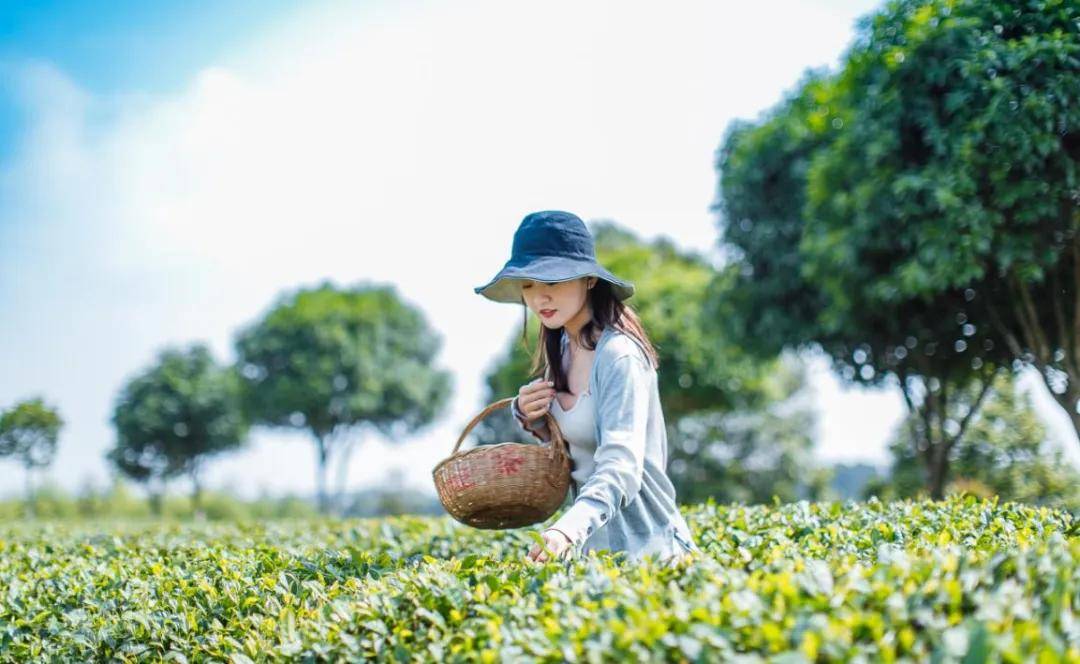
(537, 428)
(623, 410)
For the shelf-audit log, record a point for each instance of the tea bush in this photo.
(964, 579)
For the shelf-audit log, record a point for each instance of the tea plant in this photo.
(957, 580)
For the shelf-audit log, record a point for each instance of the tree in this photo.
(335, 362)
(750, 455)
(953, 170)
(29, 431)
(701, 368)
(1004, 452)
(784, 296)
(173, 417)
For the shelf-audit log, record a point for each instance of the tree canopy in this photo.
(172, 417)
(906, 212)
(953, 171)
(29, 432)
(332, 360)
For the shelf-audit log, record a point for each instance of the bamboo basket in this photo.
(507, 485)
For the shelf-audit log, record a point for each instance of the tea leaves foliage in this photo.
(959, 580)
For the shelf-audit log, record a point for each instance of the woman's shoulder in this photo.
(621, 344)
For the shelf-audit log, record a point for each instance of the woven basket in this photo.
(508, 485)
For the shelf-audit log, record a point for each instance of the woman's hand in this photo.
(554, 540)
(534, 399)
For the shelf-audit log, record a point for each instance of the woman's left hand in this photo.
(554, 540)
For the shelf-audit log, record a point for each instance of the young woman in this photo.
(600, 385)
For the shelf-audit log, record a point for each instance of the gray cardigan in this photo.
(628, 503)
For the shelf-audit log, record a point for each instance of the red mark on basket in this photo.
(508, 462)
(459, 479)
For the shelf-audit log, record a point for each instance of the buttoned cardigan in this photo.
(628, 502)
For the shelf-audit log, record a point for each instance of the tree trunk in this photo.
(343, 474)
(938, 472)
(1038, 339)
(929, 431)
(155, 503)
(196, 496)
(320, 473)
(30, 512)
(1069, 400)
(934, 405)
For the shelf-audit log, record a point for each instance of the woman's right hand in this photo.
(534, 399)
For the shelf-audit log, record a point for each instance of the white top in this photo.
(578, 426)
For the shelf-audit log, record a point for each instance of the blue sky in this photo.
(121, 46)
(168, 169)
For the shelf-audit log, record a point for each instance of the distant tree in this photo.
(750, 455)
(29, 432)
(700, 368)
(336, 362)
(175, 416)
(1005, 452)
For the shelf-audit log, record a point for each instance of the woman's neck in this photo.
(574, 334)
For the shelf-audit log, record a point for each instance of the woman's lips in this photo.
(547, 313)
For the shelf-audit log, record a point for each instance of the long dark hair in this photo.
(607, 310)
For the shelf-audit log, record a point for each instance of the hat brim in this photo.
(506, 285)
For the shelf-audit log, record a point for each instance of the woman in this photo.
(600, 385)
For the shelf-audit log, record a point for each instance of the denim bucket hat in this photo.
(550, 246)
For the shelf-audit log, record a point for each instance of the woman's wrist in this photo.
(521, 417)
(538, 427)
(568, 539)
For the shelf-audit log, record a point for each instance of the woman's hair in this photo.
(607, 310)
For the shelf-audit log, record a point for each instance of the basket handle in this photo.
(558, 442)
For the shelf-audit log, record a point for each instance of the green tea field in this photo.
(962, 580)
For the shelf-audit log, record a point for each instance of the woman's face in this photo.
(559, 303)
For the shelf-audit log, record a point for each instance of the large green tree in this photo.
(29, 432)
(953, 172)
(175, 416)
(336, 362)
(771, 297)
